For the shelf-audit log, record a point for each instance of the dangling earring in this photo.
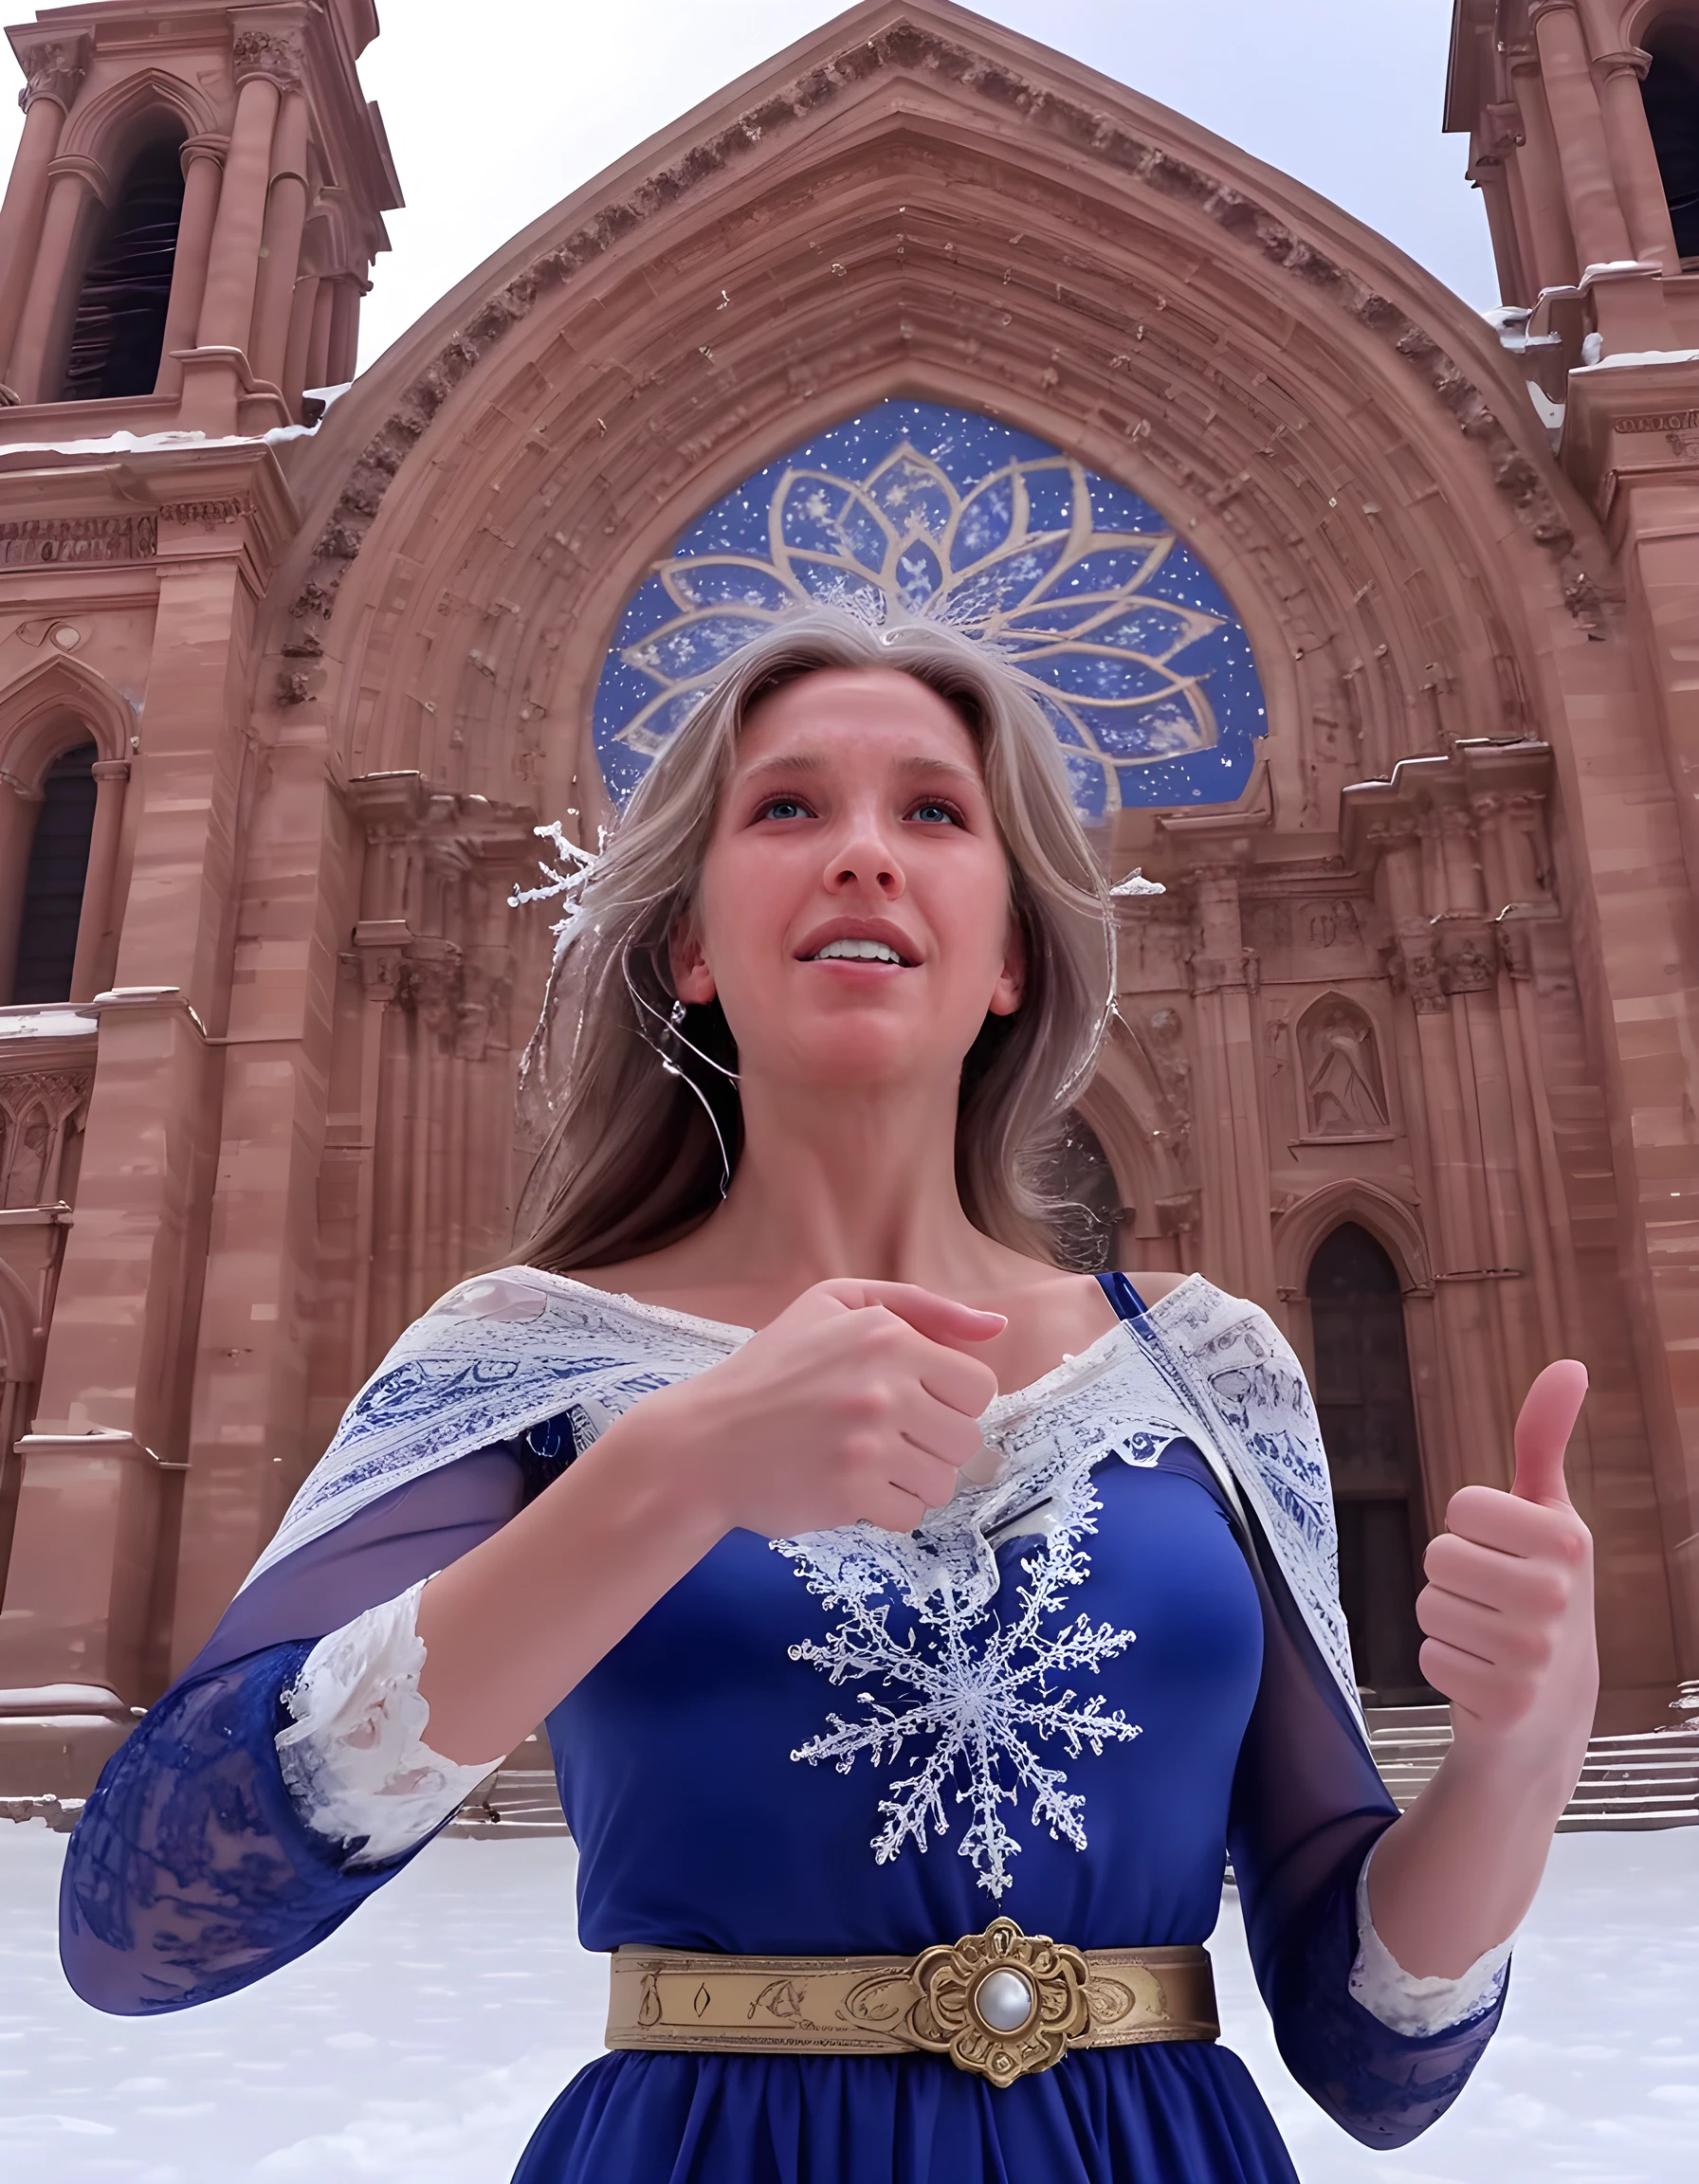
(673, 1024)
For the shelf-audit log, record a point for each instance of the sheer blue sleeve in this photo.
(1309, 1806)
(191, 1873)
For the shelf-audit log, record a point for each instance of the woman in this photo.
(911, 1662)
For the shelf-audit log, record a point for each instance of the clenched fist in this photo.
(854, 1403)
(1508, 1605)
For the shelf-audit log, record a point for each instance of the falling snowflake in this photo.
(984, 1694)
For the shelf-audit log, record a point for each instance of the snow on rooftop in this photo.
(422, 2043)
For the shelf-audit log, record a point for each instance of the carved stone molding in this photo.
(40, 541)
(1627, 59)
(1506, 132)
(206, 511)
(53, 69)
(1419, 965)
(274, 54)
(1318, 281)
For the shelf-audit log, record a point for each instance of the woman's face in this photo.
(854, 916)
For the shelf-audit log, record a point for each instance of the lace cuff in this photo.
(354, 1760)
(1418, 2007)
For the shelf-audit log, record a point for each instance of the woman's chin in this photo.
(845, 1059)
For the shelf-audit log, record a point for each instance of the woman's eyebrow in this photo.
(798, 762)
(816, 763)
(931, 768)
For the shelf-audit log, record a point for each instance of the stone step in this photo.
(1649, 1780)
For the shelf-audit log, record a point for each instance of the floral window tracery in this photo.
(913, 510)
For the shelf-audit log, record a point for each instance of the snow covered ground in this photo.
(423, 2042)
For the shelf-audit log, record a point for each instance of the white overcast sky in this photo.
(498, 112)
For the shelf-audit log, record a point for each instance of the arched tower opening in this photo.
(117, 336)
(1367, 1410)
(55, 878)
(1671, 91)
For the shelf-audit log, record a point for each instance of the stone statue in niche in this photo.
(1341, 1071)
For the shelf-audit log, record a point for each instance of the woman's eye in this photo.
(783, 807)
(933, 814)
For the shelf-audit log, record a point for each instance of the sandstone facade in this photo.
(1407, 1050)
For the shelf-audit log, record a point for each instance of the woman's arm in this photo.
(194, 1870)
(1510, 1641)
(1382, 2059)
(847, 1406)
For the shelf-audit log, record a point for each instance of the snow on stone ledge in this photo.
(1641, 356)
(49, 1021)
(165, 443)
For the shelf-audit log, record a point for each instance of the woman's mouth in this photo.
(857, 951)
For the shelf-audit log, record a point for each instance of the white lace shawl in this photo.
(502, 1353)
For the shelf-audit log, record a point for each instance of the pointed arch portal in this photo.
(1368, 1423)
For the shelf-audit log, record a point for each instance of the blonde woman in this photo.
(918, 1624)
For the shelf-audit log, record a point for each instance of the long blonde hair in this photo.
(644, 1120)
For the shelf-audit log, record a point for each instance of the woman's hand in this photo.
(1508, 1605)
(1509, 1614)
(851, 1404)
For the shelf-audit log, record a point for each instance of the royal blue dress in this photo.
(192, 1874)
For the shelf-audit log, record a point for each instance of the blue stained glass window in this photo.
(914, 510)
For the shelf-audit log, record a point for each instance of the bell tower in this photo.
(1579, 113)
(188, 229)
(1582, 118)
(191, 218)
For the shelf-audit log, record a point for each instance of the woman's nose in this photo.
(865, 858)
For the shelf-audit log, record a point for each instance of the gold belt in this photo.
(1001, 2003)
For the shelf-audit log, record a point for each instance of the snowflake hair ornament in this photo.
(564, 885)
(979, 1695)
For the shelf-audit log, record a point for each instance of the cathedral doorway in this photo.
(1368, 1423)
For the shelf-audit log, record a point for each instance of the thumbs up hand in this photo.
(1507, 1609)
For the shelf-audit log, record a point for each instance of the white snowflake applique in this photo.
(984, 1694)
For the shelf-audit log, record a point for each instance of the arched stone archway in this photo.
(1361, 1379)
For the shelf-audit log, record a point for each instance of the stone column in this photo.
(1583, 156)
(285, 219)
(74, 197)
(1491, 180)
(318, 371)
(1633, 161)
(1472, 1397)
(1229, 1133)
(19, 807)
(299, 347)
(266, 67)
(54, 72)
(342, 360)
(1538, 179)
(92, 967)
(203, 173)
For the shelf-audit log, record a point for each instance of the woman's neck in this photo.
(844, 1180)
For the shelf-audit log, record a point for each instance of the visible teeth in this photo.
(858, 951)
